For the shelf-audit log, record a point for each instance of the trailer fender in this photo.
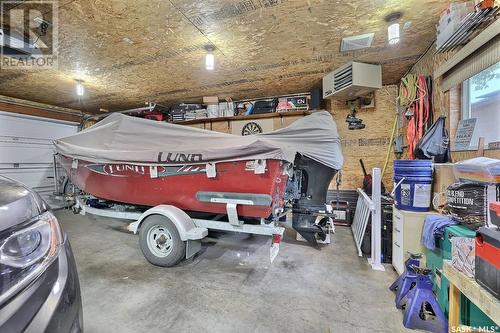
(185, 225)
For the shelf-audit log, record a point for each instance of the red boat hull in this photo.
(178, 185)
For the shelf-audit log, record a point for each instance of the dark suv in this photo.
(39, 288)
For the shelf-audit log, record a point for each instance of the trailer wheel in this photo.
(75, 209)
(160, 241)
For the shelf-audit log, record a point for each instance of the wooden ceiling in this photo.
(130, 52)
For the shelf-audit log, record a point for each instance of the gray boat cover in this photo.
(124, 139)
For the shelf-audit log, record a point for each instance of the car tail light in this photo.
(26, 252)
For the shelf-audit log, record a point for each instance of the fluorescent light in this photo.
(393, 33)
(80, 90)
(209, 61)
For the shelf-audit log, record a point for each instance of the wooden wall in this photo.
(370, 143)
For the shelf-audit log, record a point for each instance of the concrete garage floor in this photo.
(229, 287)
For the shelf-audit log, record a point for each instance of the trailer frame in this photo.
(191, 230)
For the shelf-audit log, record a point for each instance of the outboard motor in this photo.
(313, 179)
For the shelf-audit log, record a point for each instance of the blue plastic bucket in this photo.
(415, 184)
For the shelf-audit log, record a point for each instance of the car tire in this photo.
(160, 241)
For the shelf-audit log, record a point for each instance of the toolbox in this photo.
(470, 314)
(488, 260)
(341, 213)
(265, 106)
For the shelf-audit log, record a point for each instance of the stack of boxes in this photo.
(212, 103)
(217, 109)
(456, 245)
(469, 313)
(226, 109)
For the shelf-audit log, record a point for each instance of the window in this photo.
(481, 100)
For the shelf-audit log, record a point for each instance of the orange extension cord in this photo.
(420, 107)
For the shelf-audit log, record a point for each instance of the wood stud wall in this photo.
(370, 143)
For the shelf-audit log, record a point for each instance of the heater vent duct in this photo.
(352, 80)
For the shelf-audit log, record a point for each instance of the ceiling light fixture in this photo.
(80, 89)
(393, 36)
(209, 58)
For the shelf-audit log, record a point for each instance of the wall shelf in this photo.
(242, 117)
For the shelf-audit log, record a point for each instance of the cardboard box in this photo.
(463, 255)
(292, 103)
(226, 109)
(442, 178)
(213, 110)
(210, 100)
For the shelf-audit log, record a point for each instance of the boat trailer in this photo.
(168, 234)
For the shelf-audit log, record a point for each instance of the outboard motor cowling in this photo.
(315, 179)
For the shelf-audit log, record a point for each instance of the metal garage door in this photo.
(26, 150)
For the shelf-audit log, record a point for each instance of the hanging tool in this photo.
(367, 180)
(352, 120)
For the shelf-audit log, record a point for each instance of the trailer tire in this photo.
(160, 241)
(75, 209)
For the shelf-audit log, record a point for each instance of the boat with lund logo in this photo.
(176, 168)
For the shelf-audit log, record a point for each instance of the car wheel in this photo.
(160, 241)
